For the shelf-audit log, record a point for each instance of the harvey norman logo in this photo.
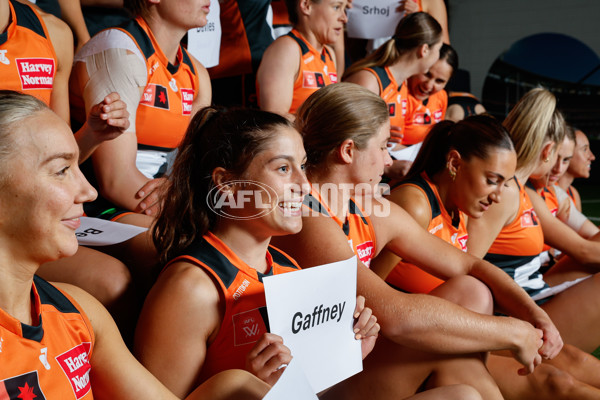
(76, 366)
(36, 73)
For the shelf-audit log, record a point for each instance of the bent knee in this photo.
(112, 283)
(468, 292)
(464, 392)
(558, 383)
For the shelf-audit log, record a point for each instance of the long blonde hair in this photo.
(412, 31)
(533, 122)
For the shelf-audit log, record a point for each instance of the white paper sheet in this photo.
(408, 153)
(292, 385)
(371, 19)
(100, 232)
(205, 43)
(312, 310)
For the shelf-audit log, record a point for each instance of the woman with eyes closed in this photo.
(460, 172)
(218, 252)
(422, 336)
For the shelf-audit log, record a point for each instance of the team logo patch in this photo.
(463, 242)
(437, 116)
(333, 77)
(36, 73)
(76, 366)
(365, 252)
(187, 98)
(392, 109)
(155, 96)
(529, 218)
(3, 58)
(248, 327)
(422, 118)
(404, 106)
(22, 387)
(312, 80)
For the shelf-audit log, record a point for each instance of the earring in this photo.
(451, 172)
(547, 159)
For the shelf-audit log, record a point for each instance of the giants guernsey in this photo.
(166, 105)
(49, 360)
(241, 287)
(465, 100)
(27, 58)
(316, 70)
(396, 97)
(517, 248)
(357, 226)
(422, 115)
(409, 277)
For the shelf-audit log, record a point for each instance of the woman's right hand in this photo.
(529, 340)
(268, 358)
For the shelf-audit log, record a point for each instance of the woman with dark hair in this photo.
(345, 129)
(413, 49)
(218, 252)
(441, 200)
(57, 341)
(427, 99)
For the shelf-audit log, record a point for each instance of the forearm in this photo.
(121, 187)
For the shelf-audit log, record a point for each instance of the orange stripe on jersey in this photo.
(241, 287)
(357, 226)
(166, 105)
(316, 70)
(549, 195)
(49, 360)
(27, 57)
(422, 115)
(396, 97)
(411, 278)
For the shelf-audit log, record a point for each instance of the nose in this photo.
(86, 191)
(387, 159)
(592, 156)
(344, 17)
(496, 195)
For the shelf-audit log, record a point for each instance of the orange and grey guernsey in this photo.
(549, 195)
(357, 226)
(518, 245)
(409, 277)
(242, 290)
(50, 359)
(422, 115)
(27, 57)
(165, 108)
(316, 70)
(396, 96)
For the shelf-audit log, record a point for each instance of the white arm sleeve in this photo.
(576, 218)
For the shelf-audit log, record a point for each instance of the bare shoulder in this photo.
(414, 202)
(364, 78)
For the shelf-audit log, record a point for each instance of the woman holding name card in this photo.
(424, 337)
(57, 341)
(206, 312)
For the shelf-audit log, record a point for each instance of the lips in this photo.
(72, 223)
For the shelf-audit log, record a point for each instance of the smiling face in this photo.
(564, 156)
(369, 163)
(42, 197)
(279, 172)
(421, 86)
(327, 19)
(582, 157)
(479, 182)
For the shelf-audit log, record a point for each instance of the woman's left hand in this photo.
(366, 328)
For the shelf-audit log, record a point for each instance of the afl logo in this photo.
(241, 199)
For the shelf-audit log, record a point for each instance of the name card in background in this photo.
(312, 310)
(371, 19)
(292, 385)
(205, 43)
(100, 232)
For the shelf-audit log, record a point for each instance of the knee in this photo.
(467, 292)
(464, 392)
(558, 383)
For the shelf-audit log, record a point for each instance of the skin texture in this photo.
(579, 166)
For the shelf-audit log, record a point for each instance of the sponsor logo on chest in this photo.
(364, 252)
(155, 96)
(187, 100)
(248, 327)
(312, 80)
(36, 73)
(76, 366)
